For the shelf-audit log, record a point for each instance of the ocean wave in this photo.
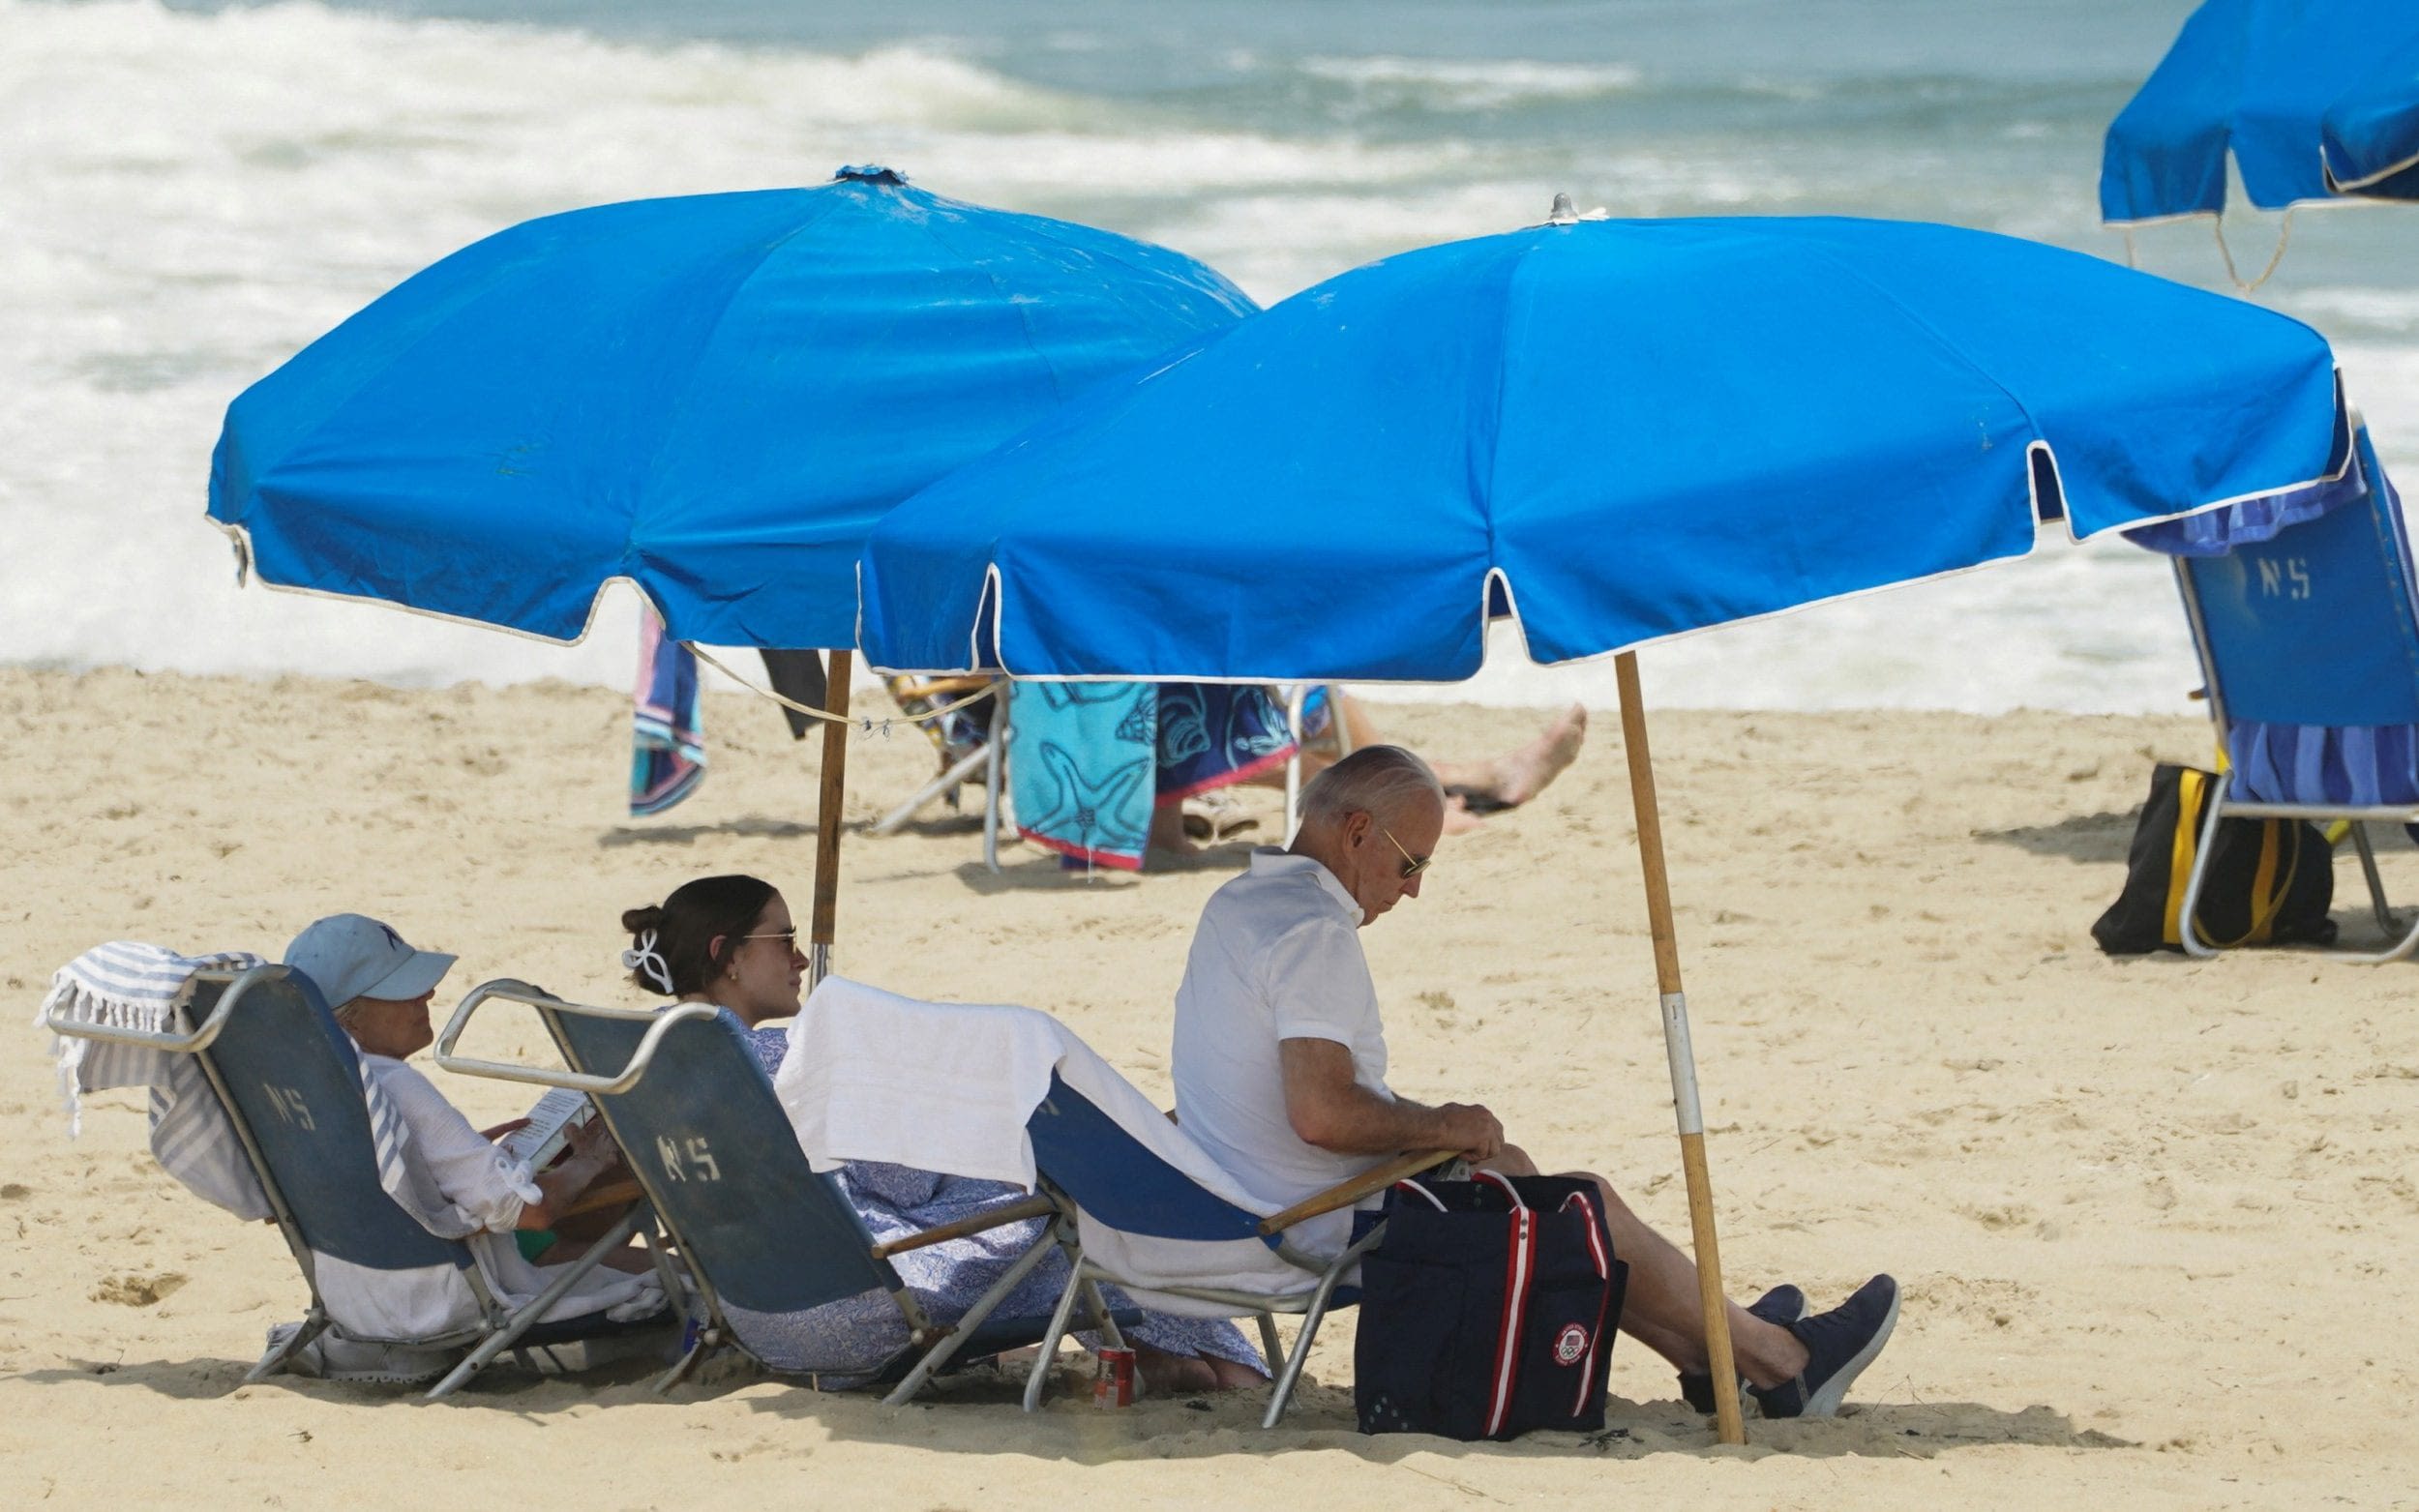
(1467, 85)
(190, 197)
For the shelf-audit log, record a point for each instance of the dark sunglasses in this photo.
(1413, 865)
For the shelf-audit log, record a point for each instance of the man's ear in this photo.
(1357, 826)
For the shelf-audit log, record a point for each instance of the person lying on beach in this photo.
(1473, 789)
(729, 940)
(1279, 1061)
(381, 987)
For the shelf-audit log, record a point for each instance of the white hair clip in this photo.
(645, 959)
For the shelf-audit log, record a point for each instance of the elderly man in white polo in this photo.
(1280, 1074)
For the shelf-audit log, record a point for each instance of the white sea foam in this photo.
(1471, 86)
(188, 198)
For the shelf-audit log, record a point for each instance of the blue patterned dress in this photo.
(947, 1278)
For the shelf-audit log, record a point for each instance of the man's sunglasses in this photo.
(1413, 865)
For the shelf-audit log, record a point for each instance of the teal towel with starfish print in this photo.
(1081, 767)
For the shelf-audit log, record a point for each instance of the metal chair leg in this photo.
(989, 1302)
(946, 783)
(313, 1325)
(1271, 1347)
(509, 1336)
(2186, 932)
(996, 751)
(1311, 1318)
(699, 1348)
(1049, 1348)
(2369, 870)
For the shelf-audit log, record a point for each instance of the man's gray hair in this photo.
(1379, 780)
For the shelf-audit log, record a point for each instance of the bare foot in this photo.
(1165, 1374)
(1167, 831)
(1458, 820)
(1525, 773)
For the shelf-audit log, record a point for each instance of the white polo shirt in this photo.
(1276, 957)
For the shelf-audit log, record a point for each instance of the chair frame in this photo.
(501, 1327)
(1311, 1305)
(938, 1343)
(2222, 807)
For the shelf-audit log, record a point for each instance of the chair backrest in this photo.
(289, 1078)
(709, 1142)
(1118, 1179)
(2315, 626)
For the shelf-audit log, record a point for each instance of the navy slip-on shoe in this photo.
(1839, 1344)
(1782, 1306)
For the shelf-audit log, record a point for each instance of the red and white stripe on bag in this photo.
(1579, 1347)
(1520, 1270)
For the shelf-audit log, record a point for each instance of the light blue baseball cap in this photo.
(351, 954)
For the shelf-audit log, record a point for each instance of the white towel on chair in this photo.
(870, 1075)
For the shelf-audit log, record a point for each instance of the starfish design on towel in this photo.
(1078, 803)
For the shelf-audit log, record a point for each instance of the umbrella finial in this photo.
(869, 173)
(1564, 211)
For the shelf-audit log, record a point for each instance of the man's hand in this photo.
(1467, 1127)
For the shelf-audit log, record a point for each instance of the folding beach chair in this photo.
(756, 1227)
(960, 757)
(1089, 1160)
(2311, 648)
(288, 1077)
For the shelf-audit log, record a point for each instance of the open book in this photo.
(551, 1122)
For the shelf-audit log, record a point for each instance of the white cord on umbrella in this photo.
(2284, 239)
(867, 724)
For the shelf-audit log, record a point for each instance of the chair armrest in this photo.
(1344, 1193)
(506, 989)
(1036, 1206)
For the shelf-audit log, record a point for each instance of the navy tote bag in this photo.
(1488, 1310)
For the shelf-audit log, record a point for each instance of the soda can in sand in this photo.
(1113, 1380)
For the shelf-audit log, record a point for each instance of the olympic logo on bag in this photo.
(1570, 1346)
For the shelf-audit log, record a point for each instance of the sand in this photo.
(2155, 1219)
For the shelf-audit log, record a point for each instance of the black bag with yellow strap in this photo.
(2270, 881)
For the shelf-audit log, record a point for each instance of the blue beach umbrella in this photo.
(1620, 431)
(2315, 99)
(711, 396)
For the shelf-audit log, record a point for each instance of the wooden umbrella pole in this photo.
(828, 819)
(1683, 1095)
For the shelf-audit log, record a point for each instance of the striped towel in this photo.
(130, 985)
(126, 985)
(668, 736)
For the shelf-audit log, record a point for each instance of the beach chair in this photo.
(2311, 648)
(961, 760)
(1089, 1162)
(755, 1225)
(288, 1077)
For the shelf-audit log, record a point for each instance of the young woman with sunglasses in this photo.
(730, 940)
